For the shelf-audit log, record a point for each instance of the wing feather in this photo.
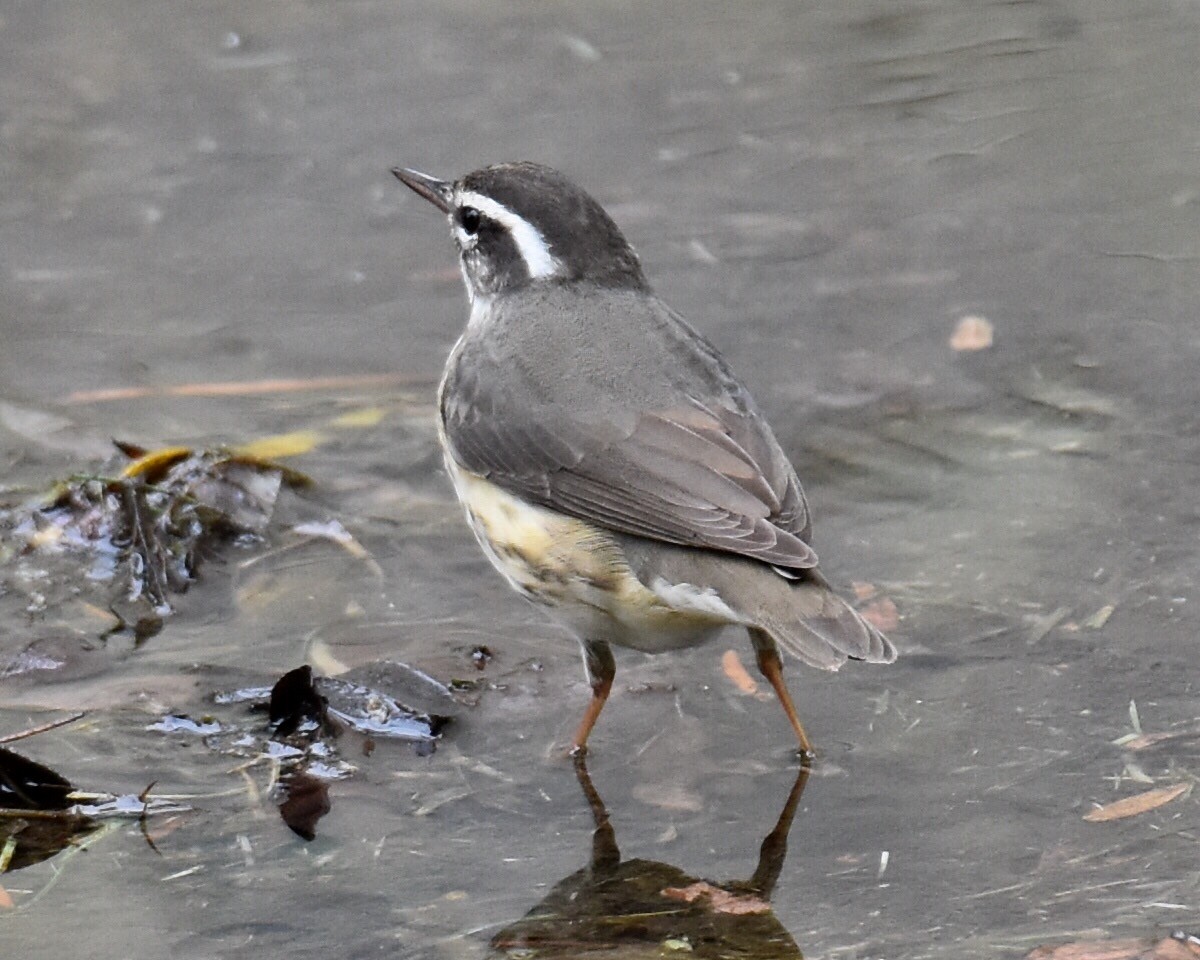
(694, 464)
(665, 481)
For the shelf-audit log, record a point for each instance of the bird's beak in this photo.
(438, 192)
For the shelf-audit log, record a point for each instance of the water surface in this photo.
(198, 194)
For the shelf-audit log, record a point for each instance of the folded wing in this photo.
(701, 473)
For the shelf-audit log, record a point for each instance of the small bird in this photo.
(612, 467)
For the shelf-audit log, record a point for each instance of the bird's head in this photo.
(522, 223)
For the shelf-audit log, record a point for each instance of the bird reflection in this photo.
(643, 908)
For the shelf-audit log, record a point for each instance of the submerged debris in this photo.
(302, 715)
(26, 840)
(379, 714)
(481, 656)
(306, 715)
(179, 723)
(306, 710)
(367, 701)
(42, 813)
(295, 704)
(27, 785)
(304, 799)
(139, 536)
(1137, 804)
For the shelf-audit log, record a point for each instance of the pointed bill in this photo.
(438, 192)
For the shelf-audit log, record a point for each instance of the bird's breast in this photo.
(543, 554)
(579, 571)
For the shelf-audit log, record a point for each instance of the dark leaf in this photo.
(294, 701)
(26, 785)
(131, 450)
(305, 801)
(38, 840)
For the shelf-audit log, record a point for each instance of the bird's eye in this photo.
(469, 218)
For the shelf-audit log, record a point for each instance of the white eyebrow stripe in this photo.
(532, 245)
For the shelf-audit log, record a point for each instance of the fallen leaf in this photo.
(881, 614)
(305, 801)
(151, 466)
(972, 333)
(28, 785)
(737, 674)
(1137, 804)
(106, 619)
(280, 446)
(245, 388)
(365, 417)
(295, 701)
(6, 900)
(1091, 950)
(164, 828)
(720, 900)
(863, 590)
(1141, 741)
(1176, 947)
(1042, 625)
(1100, 617)
(669, 796)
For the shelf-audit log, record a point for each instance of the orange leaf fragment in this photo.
(1145, 740)
(737, 674)
(719, 900)
(881, 614)
(1169, 948)
(1139, 803)
(972, 333)
(151, 466)
(863, 590)
(6, 900)
(1091, 950)
(669, 797)
(245, 388)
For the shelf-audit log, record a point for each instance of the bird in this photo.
(612, 467)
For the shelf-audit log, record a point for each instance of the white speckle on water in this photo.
(701, 253)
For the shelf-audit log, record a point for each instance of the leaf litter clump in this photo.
(307, 717)
(109, 553)
(122, 547)
(42, 813)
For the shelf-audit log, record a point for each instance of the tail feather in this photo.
(797, 609)
(821, 629)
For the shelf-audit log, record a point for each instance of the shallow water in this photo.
(199, 194)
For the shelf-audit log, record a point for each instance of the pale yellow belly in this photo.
(580, 572)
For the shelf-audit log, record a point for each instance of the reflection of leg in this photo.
(771, 667)
(601, 668)
(774, 847)
(606, 856)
